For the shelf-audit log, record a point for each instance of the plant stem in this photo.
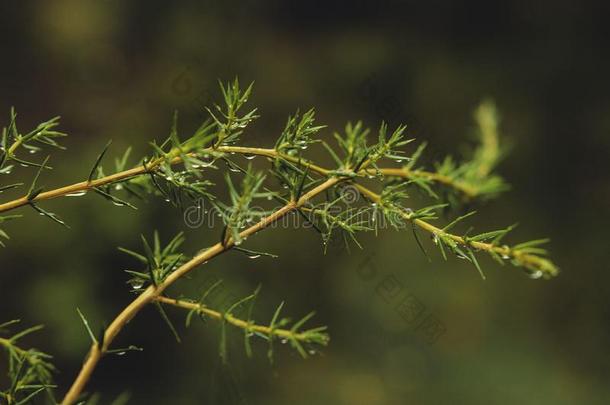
(468, 191)
(8, 344)
(14, 147)
(152, 293)
(531, 260)
(465, 189)
(239, 323)
(528, 260)
(83, 186)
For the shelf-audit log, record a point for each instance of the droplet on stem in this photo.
(77, 193)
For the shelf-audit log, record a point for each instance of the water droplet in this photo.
(254, 256)
(237, 242)
(536, 274)
(77, 193)
(312, 352)
(249, 156)
(136, 283)
(118, 187)
(120, 354)
(206, 161)
(284, 341)
(505, 257)
(269, 197)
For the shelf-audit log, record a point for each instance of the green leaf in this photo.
(113, 199)
(98, 161)
(32, 193)
(48, 214)
(168, 321)
(86, 323)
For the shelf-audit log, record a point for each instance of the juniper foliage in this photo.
(373, 177)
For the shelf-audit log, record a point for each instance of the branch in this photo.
(149, 295)
(269, 332)
(532, 262)
(468, 191)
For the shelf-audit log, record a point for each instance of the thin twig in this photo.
(237, 322)
(463, 188)
(151, 293)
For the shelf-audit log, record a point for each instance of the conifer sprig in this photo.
(276, 330)
(149, 295)
(205, 147)
(527, 255)
(176, 170)
(29, 370)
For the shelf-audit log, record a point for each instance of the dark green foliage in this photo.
(29, 370)
(12, 141)
(297, 134)
(230, 124)
(370, 186)
(239, 212)
(302, 340)
(159, 261)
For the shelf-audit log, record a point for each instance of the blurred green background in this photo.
(117, 70)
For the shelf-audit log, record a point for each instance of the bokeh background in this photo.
(117, 70)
